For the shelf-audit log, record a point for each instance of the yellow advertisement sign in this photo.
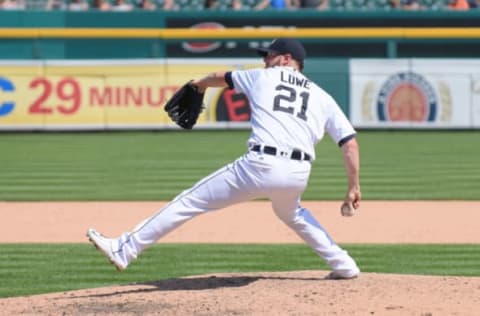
(94, 95)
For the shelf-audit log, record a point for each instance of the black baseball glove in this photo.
(185, 106)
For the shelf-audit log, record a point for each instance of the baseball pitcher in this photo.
(289, 116)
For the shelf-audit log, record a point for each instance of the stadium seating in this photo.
(337, 5)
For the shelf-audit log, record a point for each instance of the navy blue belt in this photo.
(269, 150)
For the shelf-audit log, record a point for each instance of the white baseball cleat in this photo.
(343, 274)
(104, 245)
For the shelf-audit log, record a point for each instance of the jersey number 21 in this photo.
(284, 102)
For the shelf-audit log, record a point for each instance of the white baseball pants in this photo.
(254, 175)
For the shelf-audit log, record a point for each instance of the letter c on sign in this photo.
(6, 107)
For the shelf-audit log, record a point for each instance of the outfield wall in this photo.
(335, 34)
(130, 94)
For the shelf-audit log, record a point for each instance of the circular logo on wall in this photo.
(203, 47)
(232, 106)
(407, 96)
(6, 107)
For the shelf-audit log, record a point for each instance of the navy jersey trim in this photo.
(345, 140)
(229, 80)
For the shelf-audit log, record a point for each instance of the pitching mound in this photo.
(289, 293)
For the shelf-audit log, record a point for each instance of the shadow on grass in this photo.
(195, 284)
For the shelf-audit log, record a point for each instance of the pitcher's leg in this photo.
(308, 228)
(146, 233)
(218, 190)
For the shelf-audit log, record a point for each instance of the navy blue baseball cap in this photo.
(284, 46)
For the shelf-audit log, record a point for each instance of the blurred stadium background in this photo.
(356, 5)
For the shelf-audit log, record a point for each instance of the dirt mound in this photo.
(271, 293)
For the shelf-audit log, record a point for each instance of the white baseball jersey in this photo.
(296, 115)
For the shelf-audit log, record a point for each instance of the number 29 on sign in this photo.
(62, 97)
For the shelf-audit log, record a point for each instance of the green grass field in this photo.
(156, 166)
(400, 165)
(33, 268)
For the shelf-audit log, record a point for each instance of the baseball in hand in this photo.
(347, 209)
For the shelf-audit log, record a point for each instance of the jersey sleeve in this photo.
(338, 126)
(243, 80)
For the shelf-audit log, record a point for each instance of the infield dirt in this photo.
(272, 293)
